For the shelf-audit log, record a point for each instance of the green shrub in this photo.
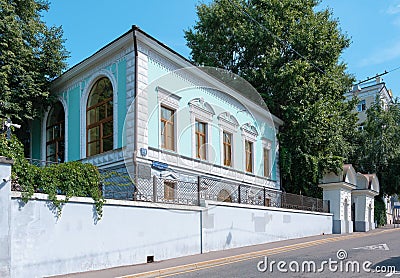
(380, 211)
(68, 179)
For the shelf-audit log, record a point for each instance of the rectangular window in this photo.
(169, 190)
(167, 128)
(267, 170)
(249, 156)
(361, 106)
(201, 140)
(227, 145)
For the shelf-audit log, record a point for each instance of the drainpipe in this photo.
(135, 144)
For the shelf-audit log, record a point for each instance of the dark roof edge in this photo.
(136, 28)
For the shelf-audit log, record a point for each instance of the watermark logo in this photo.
(340, 264)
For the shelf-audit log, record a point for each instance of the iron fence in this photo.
(294, 201)
(117, 184)
(164, 190)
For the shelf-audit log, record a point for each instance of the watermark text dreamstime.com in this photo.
(332, 265)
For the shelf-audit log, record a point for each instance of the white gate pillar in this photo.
(5, 216)
(339, 196)
(363, 198)
(337, 189)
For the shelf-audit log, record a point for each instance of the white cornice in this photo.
(367, 192)
(102, 55)
(337, 185)
(205, 80)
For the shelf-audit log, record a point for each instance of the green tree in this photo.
(290, 53)
(378, 148)
(31, 56)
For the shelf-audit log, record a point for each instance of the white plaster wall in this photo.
(228, 226)
(361, 208)
(370, 202)
(334, 202)
(42, 245)
(345, 194)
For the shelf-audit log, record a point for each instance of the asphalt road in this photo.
(379, 252)
(351, 255)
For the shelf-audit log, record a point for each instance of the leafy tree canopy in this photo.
(31, 56)
(289, 51)
(378, 146)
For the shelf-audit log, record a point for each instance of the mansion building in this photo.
(138, 106)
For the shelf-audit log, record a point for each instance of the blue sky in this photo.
(373, 26)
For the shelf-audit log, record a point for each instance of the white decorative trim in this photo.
(44, 126)
(267, 144)
(83, 104)
(167, 98)
(228, 122)
(249, 132)
(203, 110)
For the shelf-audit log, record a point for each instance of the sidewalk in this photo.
(218, 257)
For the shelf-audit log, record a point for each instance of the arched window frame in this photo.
(44, 127)
(84, 100)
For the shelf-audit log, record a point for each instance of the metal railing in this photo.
(117, 184)
(163, 190)
(40, 163)
(300, 202)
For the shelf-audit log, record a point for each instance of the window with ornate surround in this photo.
(248, 146)
(201, 139)
(249, 134)
(99, 118)
(227, 148)
(267, 161)
(228, 127)
(169, 105)
(167, 121)
(201, 117)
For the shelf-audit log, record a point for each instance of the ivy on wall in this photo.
(67, 179)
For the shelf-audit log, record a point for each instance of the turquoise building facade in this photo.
(138, 105)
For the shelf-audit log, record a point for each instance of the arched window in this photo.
(99, 118)
(55, 125)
